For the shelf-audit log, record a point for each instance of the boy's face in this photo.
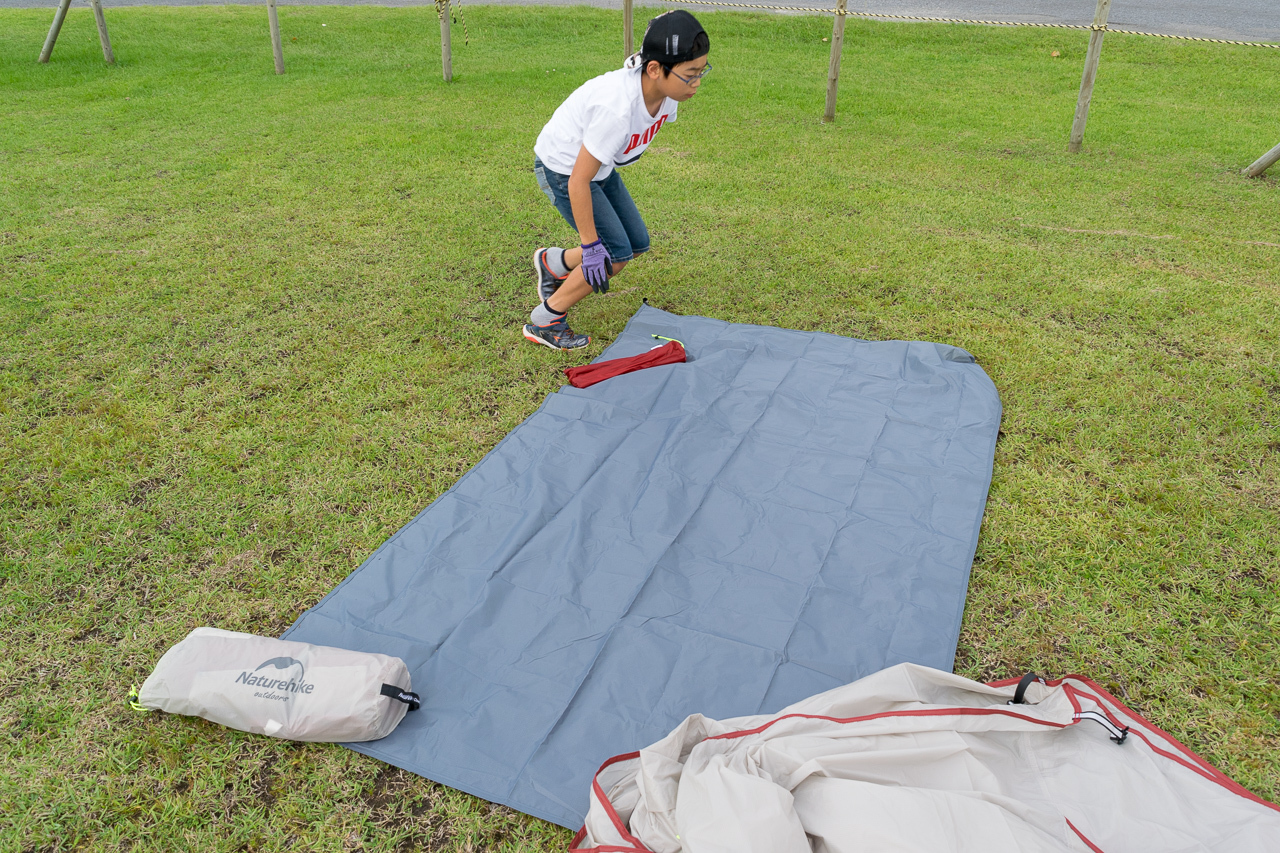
(683, 81)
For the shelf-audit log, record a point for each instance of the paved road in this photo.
(1244, 20)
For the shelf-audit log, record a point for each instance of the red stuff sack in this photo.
(589, 374)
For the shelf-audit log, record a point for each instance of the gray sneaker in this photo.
(545, 279)
(556, 335)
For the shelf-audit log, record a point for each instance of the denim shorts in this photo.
(618, 222)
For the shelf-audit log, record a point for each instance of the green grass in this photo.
(250, 325)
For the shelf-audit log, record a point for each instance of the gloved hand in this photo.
(596, 266)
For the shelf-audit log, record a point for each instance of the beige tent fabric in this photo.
(296, 691)
(913, 759)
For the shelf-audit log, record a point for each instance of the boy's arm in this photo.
(584, 169)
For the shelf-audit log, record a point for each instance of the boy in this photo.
(608, 122)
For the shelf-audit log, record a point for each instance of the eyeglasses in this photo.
(693, 79)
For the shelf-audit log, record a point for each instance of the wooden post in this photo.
(833, 72)
(103, 38)
(58, 17)
(446, 42)
(1090, 74)
(274, 20)
(628, 30)
(1266, 161)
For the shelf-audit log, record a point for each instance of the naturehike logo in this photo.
(269, 682)
(283, 663)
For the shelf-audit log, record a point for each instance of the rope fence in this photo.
(887, 16)
(1096, 30)
(446, 10)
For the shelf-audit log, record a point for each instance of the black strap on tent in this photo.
(1119, 734)
(1020, 695)
(408, 698)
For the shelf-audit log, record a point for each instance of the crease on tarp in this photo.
(849, 518)
(519, 549)
(603, 643)
(652, 566)
(546, 403)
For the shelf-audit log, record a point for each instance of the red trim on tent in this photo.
(935, 712)
(640, 848)
(1071, 694)
(613, 816)
(1106, 712)
(1187, 758)
(1095, 848)
(612, 761)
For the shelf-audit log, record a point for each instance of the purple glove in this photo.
(596, 266)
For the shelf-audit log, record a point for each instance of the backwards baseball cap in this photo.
(674, 37)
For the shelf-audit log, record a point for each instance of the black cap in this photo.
(674, 37)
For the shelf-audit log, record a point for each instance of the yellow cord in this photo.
(133, 700)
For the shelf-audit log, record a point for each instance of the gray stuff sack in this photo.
(285, 689)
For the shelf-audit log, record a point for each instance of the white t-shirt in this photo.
(607, 115)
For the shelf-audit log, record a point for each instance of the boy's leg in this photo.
(613, 232)
(628, 215)
(549, 321)
(551, 266)
(575, 287)
(624, 217)
(549, 271)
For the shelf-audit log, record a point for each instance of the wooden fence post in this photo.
(833, 72)
(58, 17)
(103, 38)
(446, 42)
(1090, 74)
(628, 31)
(274, 20)
(1266, 161)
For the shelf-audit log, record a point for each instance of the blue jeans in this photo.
(618, 222)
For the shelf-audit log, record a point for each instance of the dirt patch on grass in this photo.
(139, 491)
(411, 807)
(263, 779)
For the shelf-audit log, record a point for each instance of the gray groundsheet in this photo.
(785, 513)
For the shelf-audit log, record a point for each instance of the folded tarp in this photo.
(785, 513)
(913, 759)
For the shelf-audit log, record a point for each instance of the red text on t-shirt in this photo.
(643, 139)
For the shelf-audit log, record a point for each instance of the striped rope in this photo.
(1193, 38)
(455, 6)
(965, 21)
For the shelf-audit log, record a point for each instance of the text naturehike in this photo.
(290, 685)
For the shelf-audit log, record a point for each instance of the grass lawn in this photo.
(250, 325)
